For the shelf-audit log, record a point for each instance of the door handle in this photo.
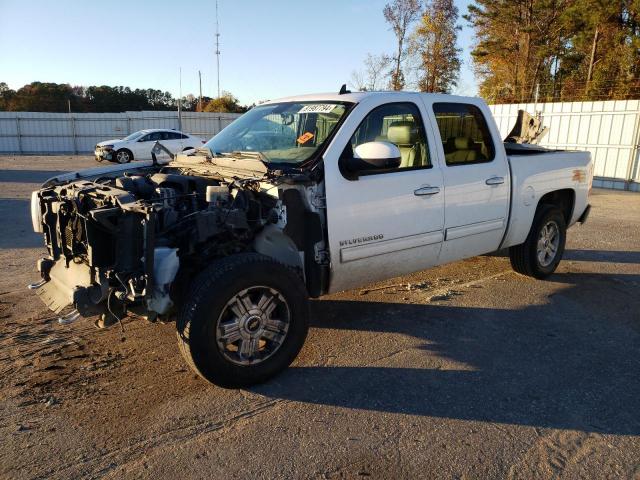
(426, 191)
(495, 181)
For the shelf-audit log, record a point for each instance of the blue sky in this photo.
(269, 48)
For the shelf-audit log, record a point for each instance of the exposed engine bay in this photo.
(129, 242)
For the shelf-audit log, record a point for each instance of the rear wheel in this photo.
(542, 251)
(244, 321)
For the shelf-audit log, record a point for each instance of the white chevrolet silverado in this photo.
(298, 198)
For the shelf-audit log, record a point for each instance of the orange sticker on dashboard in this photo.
(305, 137)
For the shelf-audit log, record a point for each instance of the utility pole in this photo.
(217, 49)
(180, 100)
(200, 101)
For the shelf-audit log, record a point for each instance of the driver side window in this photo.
(400, 124)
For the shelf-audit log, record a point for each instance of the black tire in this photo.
(207, 303)
(525, 257)
(125, 154)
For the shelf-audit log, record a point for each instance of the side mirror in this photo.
(373, 156)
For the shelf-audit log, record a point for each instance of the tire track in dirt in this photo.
(553, 454)
(99, 465)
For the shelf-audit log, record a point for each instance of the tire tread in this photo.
(522, 257)
(202, 286)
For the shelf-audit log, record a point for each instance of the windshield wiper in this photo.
(250, 154)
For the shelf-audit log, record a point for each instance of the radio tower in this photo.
(217, 49)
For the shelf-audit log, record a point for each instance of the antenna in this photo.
(217, 48)
(200, 99)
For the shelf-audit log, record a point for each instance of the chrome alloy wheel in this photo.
(122, 157)
(548, 243)
(253, 325)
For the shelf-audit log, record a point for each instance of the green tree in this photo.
(6, 94)
(434, 41)
(226, 103)
(45, 97)
(116, 99)
(400, 15)
(604, 56)
(571, 49)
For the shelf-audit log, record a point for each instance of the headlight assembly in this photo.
(36, 213)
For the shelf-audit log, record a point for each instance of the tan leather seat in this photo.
(404, 135)
(460, 150)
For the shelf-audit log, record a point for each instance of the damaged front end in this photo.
(119, 242)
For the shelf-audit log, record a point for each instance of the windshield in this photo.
(289, 132)
(133, 136)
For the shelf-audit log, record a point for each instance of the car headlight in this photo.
(36, 213)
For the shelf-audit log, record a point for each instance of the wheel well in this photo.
(563, 199)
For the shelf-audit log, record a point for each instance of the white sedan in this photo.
(138, 145)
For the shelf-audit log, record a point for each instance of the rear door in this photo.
(476, 179)
(390, 222)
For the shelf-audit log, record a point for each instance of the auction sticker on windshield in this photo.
(305, 137)
(318, 108)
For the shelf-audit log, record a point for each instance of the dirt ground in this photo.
(464, 371)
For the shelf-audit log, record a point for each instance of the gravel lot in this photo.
(463, 371)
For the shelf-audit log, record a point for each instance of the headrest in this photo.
(463, 143)
(402, 133)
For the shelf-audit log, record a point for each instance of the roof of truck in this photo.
(357, 97)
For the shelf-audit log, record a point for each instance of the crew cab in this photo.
(298, 198)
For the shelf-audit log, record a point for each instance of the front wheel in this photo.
(124, 156)
(542, 251)
(244, 321)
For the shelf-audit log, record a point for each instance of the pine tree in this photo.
(571, 49)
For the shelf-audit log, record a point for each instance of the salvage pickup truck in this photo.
(298, 198)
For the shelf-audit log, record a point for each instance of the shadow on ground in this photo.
(611, 256)
(28, 176)
(571, 363)
(18, 231)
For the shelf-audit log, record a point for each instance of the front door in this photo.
(144, 146)
(389, 222)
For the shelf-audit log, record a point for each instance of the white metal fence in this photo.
(51, 133)
(610, 130)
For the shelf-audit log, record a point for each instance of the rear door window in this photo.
(464, 133)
